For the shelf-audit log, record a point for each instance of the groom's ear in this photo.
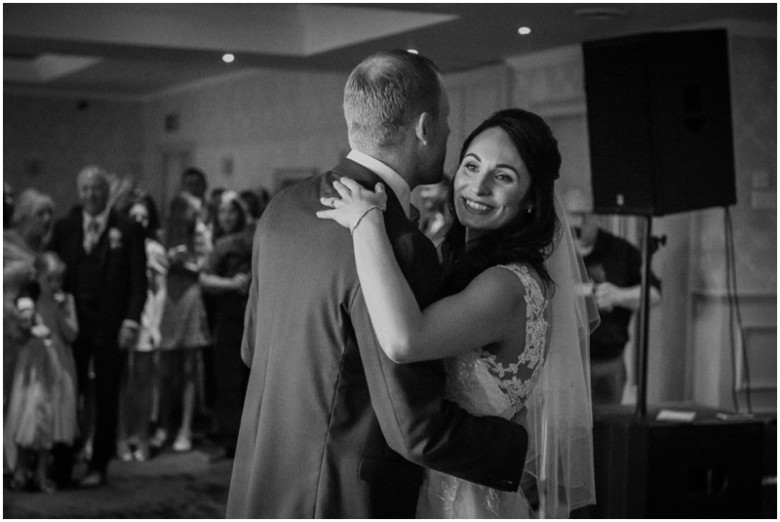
(422, 127)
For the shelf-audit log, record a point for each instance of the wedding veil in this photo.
(558, 416)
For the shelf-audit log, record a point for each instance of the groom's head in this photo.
(396, 110)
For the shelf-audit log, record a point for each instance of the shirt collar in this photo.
(397, 184)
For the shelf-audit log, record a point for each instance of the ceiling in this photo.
(140, 50)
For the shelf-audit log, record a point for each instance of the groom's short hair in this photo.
(385, 93)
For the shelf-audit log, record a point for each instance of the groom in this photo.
(331, 427)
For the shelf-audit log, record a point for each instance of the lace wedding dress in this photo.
(482, 385)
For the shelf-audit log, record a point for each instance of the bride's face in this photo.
(491, 183)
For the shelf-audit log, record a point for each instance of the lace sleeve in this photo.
(517, 368)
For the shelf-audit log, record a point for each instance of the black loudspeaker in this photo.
(659, 122)
(709, 468)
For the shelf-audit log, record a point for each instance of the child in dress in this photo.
(57, 310)
(28, 422)
(42, 409)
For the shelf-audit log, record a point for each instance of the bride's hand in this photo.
(354, 204)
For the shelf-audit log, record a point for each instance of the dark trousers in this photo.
(232, 376)
(607, 379)
(107, 370)
(97, 386)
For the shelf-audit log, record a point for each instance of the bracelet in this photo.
(369, 209)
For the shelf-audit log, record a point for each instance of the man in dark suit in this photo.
(331, 427)
(106, 273)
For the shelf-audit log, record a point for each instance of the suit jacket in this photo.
(121, 272)
(331, 427)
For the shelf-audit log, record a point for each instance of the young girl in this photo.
(42, 408)
(57, 311)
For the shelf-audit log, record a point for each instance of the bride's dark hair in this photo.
(529, 237)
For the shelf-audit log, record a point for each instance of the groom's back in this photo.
(308, 431)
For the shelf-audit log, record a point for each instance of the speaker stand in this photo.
(649, 245)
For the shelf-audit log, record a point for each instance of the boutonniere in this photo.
(114, 238)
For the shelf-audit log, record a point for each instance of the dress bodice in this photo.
(481, 384)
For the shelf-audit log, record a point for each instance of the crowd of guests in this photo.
(121, 330)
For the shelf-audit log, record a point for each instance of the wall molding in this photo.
(723, 295)
(59, 94)
(205, 83)
(181, 88)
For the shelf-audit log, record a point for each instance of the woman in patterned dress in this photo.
(184, 328)
(512, 326)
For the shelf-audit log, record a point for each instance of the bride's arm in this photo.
(479, 315)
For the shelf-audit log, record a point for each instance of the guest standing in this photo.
(31, 228)
(193, 182)
(43, 413)
(139, 395)
(27, 229)
(226, 279)
(29, 422)
(57, 310)
(106, 261)
(255, 201)
(184, 329)
(615, 267)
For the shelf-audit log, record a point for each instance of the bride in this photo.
(513, 325)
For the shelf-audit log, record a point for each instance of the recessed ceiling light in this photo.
(524, 30)
(228, 58)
